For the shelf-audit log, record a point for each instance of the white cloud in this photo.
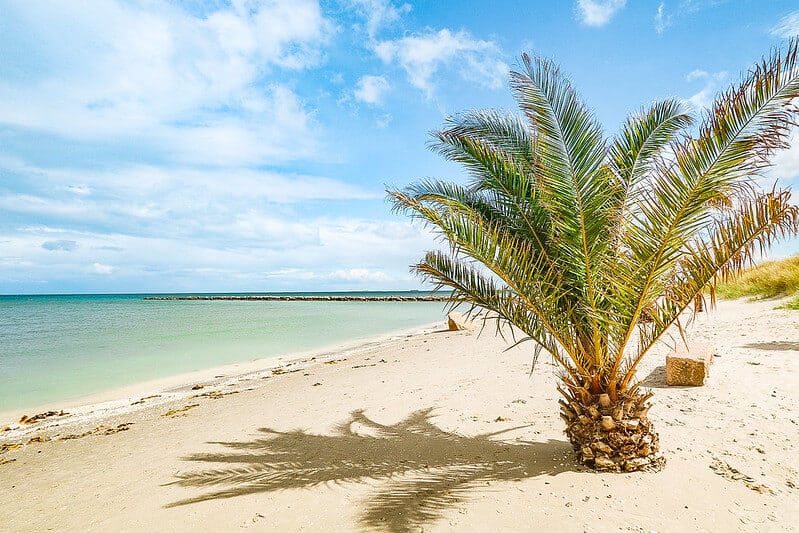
(786, 162)
(697, 74)
(327, 253)
(38, 205)
(598, 12)
(787, 27)
(422, 56)
(662, 19)
(105, 270)
(231, 209)
(273, 128)
(384, 120)
(704, 97)
(360, 274)
(157, 74)
(170, 188)
(378, 13)
(270, 231)
(80, 190)
(371, 89)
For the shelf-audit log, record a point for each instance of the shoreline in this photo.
(440, 431)
(118, 400)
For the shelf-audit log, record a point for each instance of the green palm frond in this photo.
(574, 185)
(505, 133)
(499, 152)
(746, 124)
(725, 251)
(639, 147)
(572, 238)
(472, 286)
(643, 138)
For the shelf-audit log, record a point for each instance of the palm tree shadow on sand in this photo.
(423, 469)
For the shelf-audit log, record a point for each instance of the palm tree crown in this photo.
(575, 238)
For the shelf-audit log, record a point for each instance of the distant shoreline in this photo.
(308, 298)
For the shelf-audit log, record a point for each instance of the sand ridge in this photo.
(438, 431)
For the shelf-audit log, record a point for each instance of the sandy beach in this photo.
(433, 431)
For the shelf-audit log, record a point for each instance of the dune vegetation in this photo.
(771, 279)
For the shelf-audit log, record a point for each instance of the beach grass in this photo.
(772, 279)
(793, 303)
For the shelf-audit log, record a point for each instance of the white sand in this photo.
(490, 455)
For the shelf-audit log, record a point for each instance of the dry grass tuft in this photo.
(772, 279)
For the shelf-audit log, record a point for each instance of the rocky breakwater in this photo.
(309, 298)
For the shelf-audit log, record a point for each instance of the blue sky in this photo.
(245, 146)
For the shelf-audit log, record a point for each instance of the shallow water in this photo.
(55, 348)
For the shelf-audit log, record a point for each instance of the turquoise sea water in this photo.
(55, 348)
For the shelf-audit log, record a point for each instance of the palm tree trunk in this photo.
(611, 436)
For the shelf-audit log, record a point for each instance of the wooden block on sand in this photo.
(457, 322)
(689, 366)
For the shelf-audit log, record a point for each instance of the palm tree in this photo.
(594, 247)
